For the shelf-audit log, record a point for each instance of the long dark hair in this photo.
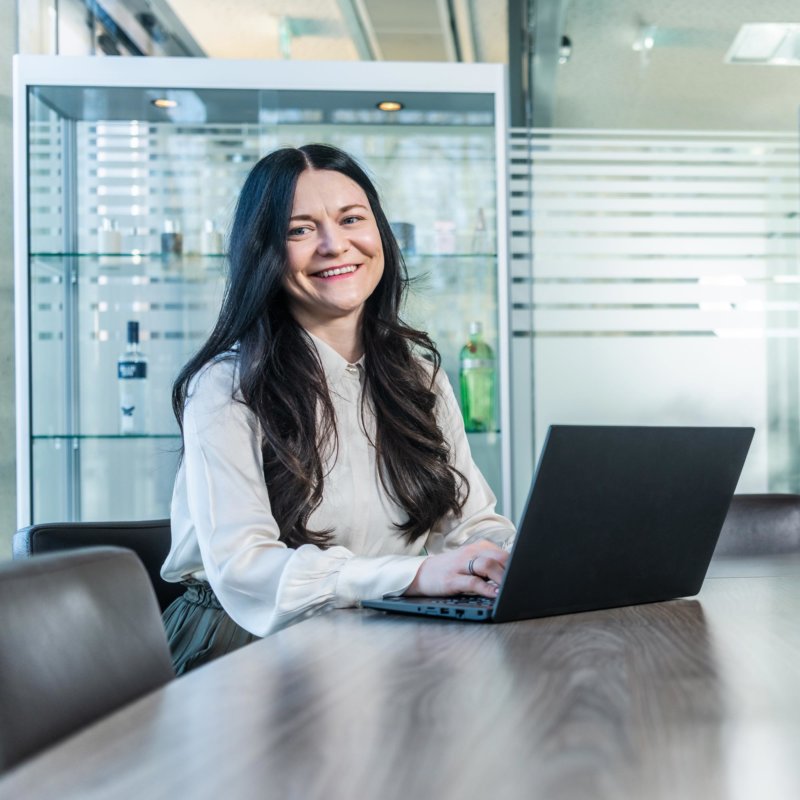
(281, 378)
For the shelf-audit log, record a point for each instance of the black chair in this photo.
(80, 636)
(149, 539)
(761, 524)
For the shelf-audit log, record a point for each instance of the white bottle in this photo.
(210, 240)
(109, 239)
(132, 380)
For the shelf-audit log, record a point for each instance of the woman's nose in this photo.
(332, 240)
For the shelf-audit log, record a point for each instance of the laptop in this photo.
(615, 516)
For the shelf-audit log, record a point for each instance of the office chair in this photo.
(761, 524)
(149, 539)
(80, 636)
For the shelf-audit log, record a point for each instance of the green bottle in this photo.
(477, 382)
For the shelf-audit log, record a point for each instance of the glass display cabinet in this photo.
(128, 171)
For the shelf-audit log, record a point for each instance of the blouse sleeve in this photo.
(260, 582)
(478, 518)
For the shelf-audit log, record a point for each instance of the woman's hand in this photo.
(475, 568)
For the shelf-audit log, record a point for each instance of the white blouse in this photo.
(223, 530)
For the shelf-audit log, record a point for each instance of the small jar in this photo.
(210, 240)
(171, 239)
(404, 234)
(109, 239)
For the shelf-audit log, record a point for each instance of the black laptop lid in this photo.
(619, 516)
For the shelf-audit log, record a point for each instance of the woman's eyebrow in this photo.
(341, 211)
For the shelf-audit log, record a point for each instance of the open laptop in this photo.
(615, 516)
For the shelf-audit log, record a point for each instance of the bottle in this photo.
(480, 235)
(132, 380)
(404, 234)
(171, 239)
(477, 371)
(109, 239)
(210, 240)
(445, 236)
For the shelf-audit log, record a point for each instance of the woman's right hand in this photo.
(449, 573)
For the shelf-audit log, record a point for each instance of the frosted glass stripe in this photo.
(595, 245)
(698, 224)
(630, 233)
(616, 134)
(678, 155)
(649, 171)
(579, 184)
(723, 205)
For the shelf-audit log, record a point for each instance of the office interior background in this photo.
(653, 175)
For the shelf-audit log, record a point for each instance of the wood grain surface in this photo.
(687, 699)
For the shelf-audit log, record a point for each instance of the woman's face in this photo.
(334, 249)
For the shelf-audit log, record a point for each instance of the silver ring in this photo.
(470, 568)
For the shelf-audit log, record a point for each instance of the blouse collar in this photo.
(333, 364)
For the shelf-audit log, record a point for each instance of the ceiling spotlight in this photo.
(390, 105)
(564, 50)
(163, 102)
(645, 39)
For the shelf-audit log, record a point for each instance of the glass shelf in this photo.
(444, 256)
(100, 436)
(477, 435)
(121, 256)
(433, 273)
(221, 256)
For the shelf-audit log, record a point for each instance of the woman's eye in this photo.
(298, 231)
(351, 220)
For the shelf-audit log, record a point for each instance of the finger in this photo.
(484, 548)
(502, 557)
(489, 569)
(469, 584)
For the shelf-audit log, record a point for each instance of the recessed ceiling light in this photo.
(766, 43)
(645, 39)
(390, 105)
(163, 102)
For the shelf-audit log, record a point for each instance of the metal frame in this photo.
(21, 296)
(69, 186)
(192, 73)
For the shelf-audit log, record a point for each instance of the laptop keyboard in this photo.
(472, 600)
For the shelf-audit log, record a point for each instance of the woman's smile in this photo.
(334, 273)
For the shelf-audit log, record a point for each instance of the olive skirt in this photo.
(199, 630)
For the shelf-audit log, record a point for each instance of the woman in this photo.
(324, 455)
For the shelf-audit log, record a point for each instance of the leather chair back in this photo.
(761, 524)
(80, 636)
(149, 539)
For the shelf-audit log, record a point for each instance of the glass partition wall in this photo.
(654, 228)
(663, 285)
(121, 218)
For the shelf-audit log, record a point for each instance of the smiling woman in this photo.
(324, 455)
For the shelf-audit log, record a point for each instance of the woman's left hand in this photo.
(475, 568)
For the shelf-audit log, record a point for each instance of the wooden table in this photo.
(689, 699)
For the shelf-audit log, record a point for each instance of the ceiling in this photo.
(388, 30)
(682, 82)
